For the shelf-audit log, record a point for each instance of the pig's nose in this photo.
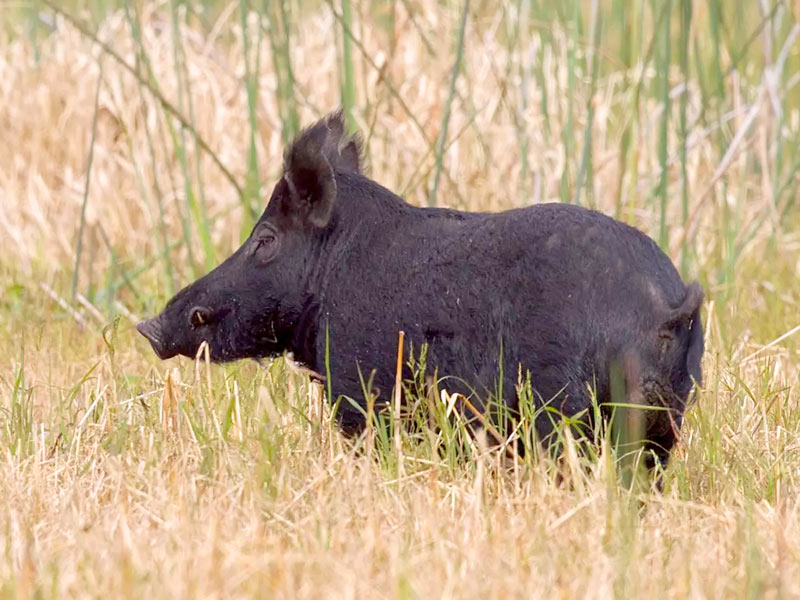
(148, 329)
(151, 329)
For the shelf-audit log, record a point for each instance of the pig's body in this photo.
(558, 291)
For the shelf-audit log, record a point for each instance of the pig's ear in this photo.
(350, 155)
(309, 177)
(343, 153)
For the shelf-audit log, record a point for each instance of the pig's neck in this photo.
(302, 343)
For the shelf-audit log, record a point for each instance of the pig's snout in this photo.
(151, 329)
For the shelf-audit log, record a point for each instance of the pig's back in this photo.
(583, 252)
(559, 255)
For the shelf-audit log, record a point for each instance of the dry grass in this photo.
(122, 477)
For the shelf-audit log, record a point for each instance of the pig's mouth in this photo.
(151, 329)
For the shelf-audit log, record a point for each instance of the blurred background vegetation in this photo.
(688, 110)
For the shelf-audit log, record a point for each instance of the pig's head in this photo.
(249, 305)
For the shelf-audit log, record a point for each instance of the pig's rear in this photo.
(631, 309)
(660, 376)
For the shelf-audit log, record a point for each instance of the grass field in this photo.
(138, 143)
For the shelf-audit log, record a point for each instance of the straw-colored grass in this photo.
(125, 477)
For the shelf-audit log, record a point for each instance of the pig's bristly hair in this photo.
(327, 138)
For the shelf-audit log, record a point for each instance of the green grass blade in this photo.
(663, 134)
(279, 36)
(348, 76)
(686, 24)
(252, 181)
(195, 209)
(585, 171)
(179, 140)
(448, 104)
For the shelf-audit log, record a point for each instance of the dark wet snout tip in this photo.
(151, 329)
(148, 329)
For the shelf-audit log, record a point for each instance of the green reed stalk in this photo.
(585, 171)
(279, 36)
(348, 76)
(448, 104)
(663, 65)
(686, 23)
(252, 181)
(197, 209)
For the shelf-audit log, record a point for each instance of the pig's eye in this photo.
(267, 245)
(199, 316)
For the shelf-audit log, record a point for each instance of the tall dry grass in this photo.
(123, 476)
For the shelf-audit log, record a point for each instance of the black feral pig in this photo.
(338, 263)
